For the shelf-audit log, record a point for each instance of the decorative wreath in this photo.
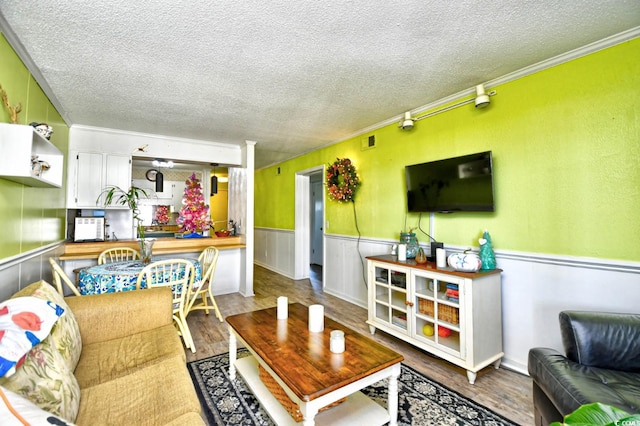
(342, 180)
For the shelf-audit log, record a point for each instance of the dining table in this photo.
(119, 276)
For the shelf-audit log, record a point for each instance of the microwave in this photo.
(89, 229)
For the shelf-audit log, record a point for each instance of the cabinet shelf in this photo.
(28, 158)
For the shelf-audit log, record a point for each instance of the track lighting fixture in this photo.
(407, 122)
(481, 100)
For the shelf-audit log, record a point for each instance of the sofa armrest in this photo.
(552, 372)
(600, 339)
(114, 315)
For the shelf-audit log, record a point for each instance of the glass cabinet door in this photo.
(437, 308)
(391, 296)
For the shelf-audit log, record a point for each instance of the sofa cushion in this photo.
(45, 380)
(24, 322)
(602, 339)
(18, 411)
(66, 333)
(153, 395)
(104, 361)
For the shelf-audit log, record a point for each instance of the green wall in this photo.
(30, 217)
(566, 153)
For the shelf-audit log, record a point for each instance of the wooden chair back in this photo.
(204, 289)
(118, 254)
(178, 274)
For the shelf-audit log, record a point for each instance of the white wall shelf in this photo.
(24, 152)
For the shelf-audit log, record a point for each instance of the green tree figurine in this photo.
(487, 256)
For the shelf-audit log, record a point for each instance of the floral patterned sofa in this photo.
(109, 359)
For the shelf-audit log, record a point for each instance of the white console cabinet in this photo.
(454, 315)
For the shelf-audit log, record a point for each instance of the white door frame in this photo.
(302, 232)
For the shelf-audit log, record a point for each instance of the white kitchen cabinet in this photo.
(28, 158)
(90, 173)
(453, 315)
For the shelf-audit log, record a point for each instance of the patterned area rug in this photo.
(421, 401)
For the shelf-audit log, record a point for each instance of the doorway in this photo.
(309, 221)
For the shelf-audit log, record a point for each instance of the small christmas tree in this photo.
(162, 215)
(194, 214)
(487, 256)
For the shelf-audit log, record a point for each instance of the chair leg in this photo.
(214, 305)
(185, 333)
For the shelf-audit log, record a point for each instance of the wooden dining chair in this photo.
(203, 290)
(117, 254)
(177, 274)
(59, 276)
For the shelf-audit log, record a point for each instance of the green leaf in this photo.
(597, 414)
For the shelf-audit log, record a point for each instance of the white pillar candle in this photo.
(316, 318)
(283, 307)
(402, 252)
(336, 343)
(441, 258)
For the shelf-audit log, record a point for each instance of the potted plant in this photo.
(130, 198)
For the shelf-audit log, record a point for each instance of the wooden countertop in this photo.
(91, 250)
(431, 266)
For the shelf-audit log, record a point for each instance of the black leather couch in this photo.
(602, 364)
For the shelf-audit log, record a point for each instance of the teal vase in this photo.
(409, 238)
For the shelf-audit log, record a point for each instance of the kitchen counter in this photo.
(91, 250)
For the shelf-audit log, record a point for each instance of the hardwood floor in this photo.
(506, 392)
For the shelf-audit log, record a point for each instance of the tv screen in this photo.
(451, 185)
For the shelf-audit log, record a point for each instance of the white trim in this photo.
(9, 262)
(302, 232)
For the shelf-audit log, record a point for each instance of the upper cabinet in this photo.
(90, 173)
(28, 158)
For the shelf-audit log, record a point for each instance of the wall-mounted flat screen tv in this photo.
(460, 184)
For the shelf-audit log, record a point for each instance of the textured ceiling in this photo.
(291, 75)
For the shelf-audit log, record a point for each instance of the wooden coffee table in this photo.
(310, 374)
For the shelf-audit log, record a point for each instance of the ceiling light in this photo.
(159, 182)
(159, 162)
(214, 181)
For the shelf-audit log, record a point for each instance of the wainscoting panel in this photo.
(274, 250)
(19, 271)
(535, 287)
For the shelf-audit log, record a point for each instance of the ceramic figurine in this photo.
(487, 256)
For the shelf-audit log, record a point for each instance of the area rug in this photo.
(421, 401)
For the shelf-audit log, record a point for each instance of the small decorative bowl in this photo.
(223, 233)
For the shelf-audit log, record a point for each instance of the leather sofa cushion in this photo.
(604, 340)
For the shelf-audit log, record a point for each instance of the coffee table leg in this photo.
(232, 354)
(309, 415)
(392, 403)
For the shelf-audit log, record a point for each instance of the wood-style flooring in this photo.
(506, 392)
